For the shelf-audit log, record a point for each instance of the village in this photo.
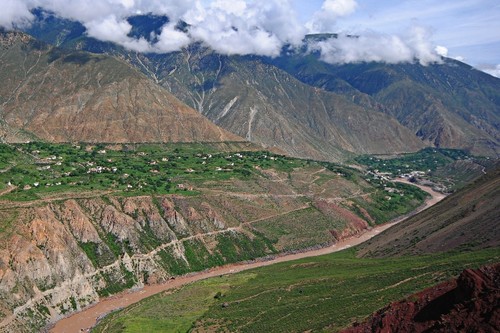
(139, 168)
(429, 167)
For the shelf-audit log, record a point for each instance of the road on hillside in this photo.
(85, 319)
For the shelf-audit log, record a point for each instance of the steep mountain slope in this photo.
(445, 105)
(266, 105)
(469, 303)
(253, 99)
(468, 219)
(448, 105)
(76, 96)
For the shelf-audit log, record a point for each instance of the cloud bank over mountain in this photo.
(411, 46)
(259, 27)
(491, 69)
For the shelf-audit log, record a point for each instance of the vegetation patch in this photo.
(452, 168)
(324, 293)
(172, 264)
(391, 200)
(235, 247)
(198, 256)
(40, 168)
(183, 308)
(299, 229)
(117, 281)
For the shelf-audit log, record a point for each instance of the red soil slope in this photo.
(470, 303)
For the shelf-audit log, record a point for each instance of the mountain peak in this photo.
(147, 26)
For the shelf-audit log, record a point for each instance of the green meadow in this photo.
(321, 294)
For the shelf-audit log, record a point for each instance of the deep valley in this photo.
(193, 166)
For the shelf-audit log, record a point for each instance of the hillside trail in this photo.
(82, 321)
(9, 189)
(7, 204)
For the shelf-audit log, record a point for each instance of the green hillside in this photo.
(323, 294)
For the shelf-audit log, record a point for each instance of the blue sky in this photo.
(469, 29)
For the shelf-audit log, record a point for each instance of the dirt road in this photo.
(82, 321)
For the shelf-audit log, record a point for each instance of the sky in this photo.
(389, 31)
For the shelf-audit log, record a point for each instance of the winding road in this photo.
(85, 319)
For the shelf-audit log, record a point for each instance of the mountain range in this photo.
(305, 106)
(100, 214)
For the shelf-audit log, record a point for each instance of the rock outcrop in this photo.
(470, 303)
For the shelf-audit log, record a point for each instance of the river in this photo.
(82, 321)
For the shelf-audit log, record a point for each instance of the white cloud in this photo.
(235, 7)
(325, 19)
(441, 50)
(371, 46)
(229, 26)
(419, 41)
(260, 27)
(14, 13)
(111, 29)
(339, 7)
(491, 69)
(171, 40)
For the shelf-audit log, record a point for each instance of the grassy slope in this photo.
(324, 293)
(468, 219)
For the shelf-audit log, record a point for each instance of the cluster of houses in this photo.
(47, 163)
(100, 169)
(376, 174)
(413, 174)
(387, 176)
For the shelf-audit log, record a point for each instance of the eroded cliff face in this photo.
(61, 256)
